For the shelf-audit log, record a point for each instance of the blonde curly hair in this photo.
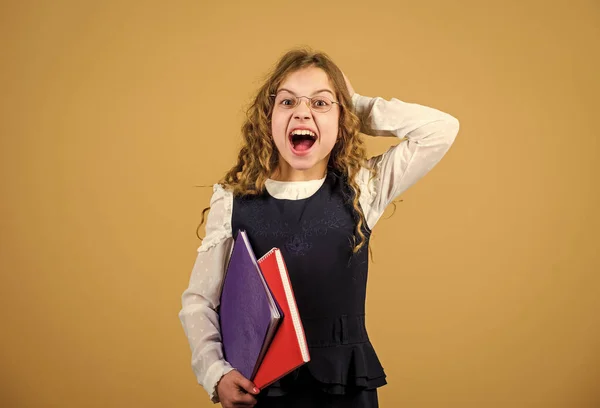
(258, 157)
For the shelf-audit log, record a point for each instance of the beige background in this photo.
(485, 288)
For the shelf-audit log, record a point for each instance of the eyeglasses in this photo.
(320, 104)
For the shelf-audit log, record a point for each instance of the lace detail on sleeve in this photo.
(368, 192)
(218, 224)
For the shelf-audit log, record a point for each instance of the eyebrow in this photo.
(314, 93)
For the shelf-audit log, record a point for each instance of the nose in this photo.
(302, 111)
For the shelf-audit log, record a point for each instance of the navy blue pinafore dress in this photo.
(329, 283)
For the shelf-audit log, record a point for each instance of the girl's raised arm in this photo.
(200, 300)
(429, 134)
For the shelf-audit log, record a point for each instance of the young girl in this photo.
(303, 184)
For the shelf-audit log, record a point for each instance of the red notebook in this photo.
(288, 349)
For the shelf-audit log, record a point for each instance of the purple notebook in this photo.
(249, 315)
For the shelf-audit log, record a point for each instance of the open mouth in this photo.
(302, 140)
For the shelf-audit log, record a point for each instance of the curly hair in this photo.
(258, 157)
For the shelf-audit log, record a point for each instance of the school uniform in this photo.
(329, 281)
(313, 222)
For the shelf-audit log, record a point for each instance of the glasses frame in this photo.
(309, 102)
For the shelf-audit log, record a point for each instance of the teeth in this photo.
(303, 132)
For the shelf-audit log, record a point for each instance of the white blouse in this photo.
(429, 134)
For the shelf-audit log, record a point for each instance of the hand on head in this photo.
(350, 89)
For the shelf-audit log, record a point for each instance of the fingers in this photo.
(244, 400)
(348, 85)
(237, 391)
(245, 384)
(247, 401)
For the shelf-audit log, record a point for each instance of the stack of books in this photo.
(261, 330)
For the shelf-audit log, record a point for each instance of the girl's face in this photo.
(304, 156)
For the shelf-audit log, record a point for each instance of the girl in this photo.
(303, 184)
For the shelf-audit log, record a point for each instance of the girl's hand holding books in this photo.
(235, 390)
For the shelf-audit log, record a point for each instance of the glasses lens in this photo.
(286, 100)
(320, 103)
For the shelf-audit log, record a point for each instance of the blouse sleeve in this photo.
(426, 134)
(200, 300)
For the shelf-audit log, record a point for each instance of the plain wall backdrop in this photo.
(485, 290)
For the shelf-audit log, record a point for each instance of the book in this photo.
(248, 313)
(288, 349)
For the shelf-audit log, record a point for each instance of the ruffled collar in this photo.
(293, 190)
